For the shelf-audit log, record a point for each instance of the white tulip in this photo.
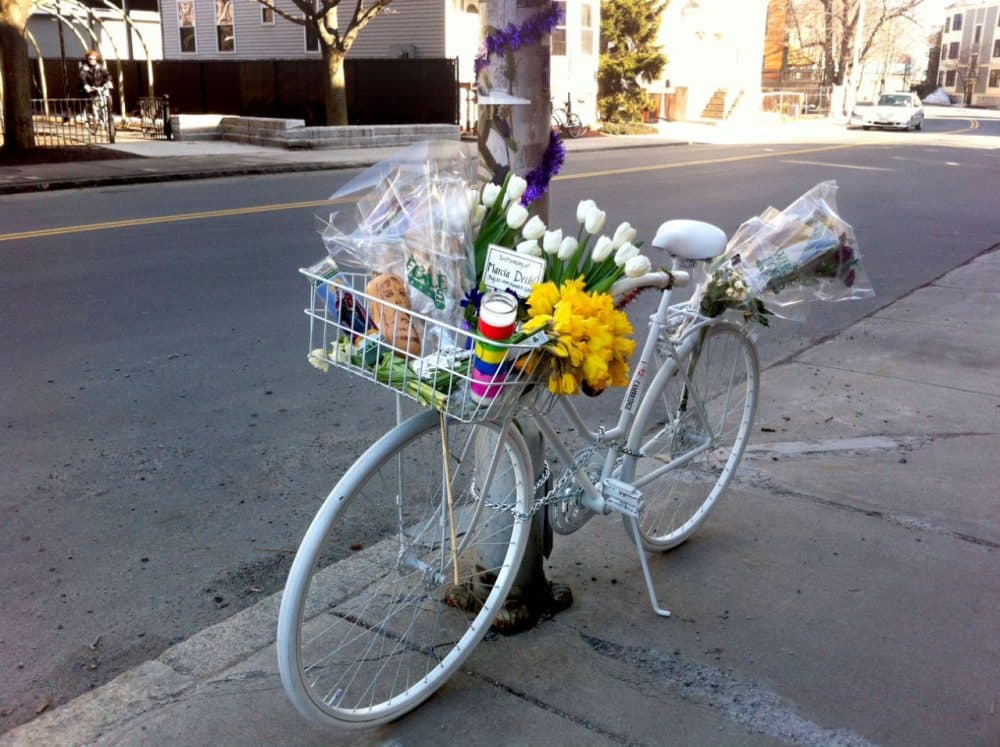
(625, 253)
(473, 196)
(624, 234)
(595, 221)
(534, 228)
(567, 248)
(552, 240)
(530, 247)
(517, 215)
(637, 265)
(602, 250)
(583, 209)
(515, 187)
(490, 193)
(478, 213)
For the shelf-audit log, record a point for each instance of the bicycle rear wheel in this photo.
(723, 372)
(574, 126)
(371, 622)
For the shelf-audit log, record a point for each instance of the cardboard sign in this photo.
(506, 269)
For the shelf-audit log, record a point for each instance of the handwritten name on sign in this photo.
(506, 269)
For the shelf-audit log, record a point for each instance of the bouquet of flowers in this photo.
(430, 243)
(803, 253)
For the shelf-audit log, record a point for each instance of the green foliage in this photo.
(627, 128)
(629, 54)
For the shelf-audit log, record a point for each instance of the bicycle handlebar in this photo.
(662, 279)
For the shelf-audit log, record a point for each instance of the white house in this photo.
(246, 30)
(969, 70)
(715, 51)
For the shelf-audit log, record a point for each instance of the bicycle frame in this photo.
(595, 496)
(646, 368)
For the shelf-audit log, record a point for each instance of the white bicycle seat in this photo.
(690, 239)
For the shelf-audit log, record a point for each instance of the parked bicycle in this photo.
(412, 554)
(566, 121)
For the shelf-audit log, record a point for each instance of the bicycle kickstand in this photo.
(634, 523)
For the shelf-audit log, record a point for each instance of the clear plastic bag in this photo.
(787, 258)
(411, 219)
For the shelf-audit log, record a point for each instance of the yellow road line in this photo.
(41, 232)
(110, 225)
(836, 165)
(703, 162)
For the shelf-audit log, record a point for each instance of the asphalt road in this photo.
(164, 444)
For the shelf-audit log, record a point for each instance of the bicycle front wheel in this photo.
(574, 126)
(723, 372)
(372, 621)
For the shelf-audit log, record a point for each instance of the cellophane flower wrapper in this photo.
(411, 218)
(787, 258)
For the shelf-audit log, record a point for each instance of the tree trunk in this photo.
(336, 93)
(16, 69)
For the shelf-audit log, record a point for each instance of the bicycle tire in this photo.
(558, 120)
(574, 126)
(724, 372)
(368, 627)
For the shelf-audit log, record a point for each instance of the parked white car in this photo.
(899, 110)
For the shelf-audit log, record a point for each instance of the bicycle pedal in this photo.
(622, 497)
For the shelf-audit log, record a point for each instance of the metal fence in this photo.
(795, 104)
(154, 117)
(67, 122)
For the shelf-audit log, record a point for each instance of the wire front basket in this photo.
(454, 371)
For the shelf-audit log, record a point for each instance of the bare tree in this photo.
(16, 75)
(831, 30)
(335, 40)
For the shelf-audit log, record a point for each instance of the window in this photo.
(944, 52)
(947, 24)
(956, 22)
(995, 78)
(941, 78)
(949, 79)
(996, 48)
(978, 37)
(587, 28)
(225, 37)
(953, 51)
(558, 42)
(186, 25)
(267, 16)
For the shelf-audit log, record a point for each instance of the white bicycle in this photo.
(99, 113)
(412, 554)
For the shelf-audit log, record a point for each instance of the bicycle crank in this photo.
(566, 514)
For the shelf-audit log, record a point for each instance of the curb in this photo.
(60, 183)
(154, 683)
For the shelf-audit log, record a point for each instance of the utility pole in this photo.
(518, 94)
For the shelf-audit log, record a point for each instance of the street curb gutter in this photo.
(62, 183)
(154, 683)
(218, 172)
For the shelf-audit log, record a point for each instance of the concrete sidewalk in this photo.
(844, 592)
(163, 160)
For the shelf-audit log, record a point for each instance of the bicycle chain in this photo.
(567, 475)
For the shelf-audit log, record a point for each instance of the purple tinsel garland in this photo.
(513, 37)
(539, 177)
